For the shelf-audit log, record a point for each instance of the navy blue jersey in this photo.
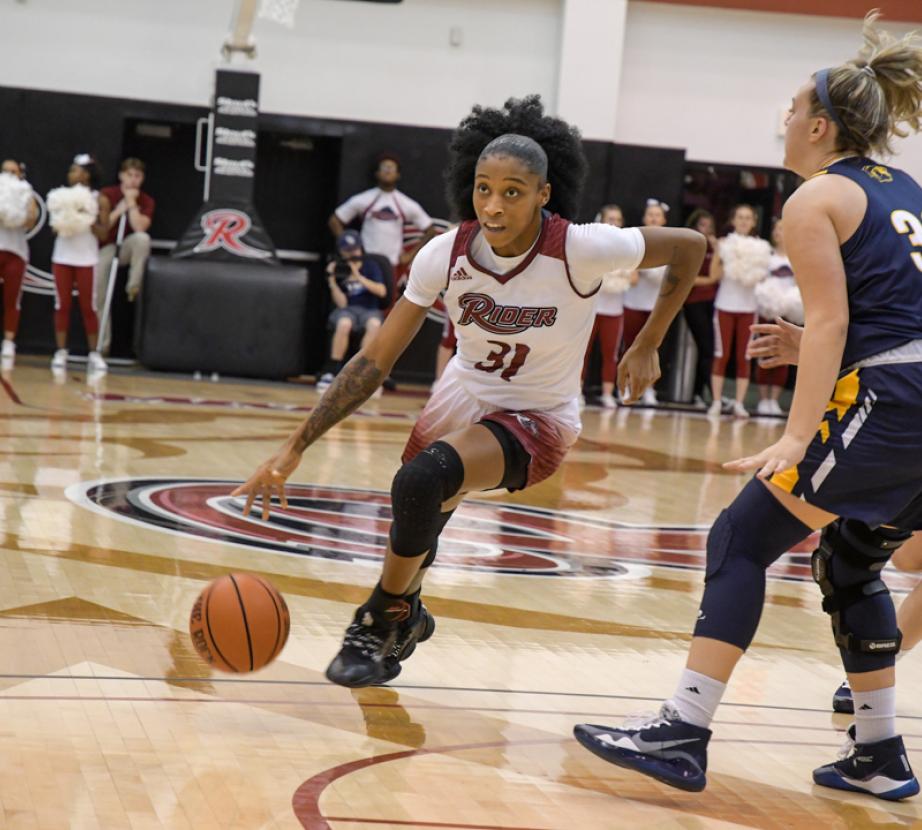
(883, 261)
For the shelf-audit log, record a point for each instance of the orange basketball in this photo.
(239, 623)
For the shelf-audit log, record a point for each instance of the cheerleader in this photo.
(609, 316)
(772, 380)
(18, 215)
(640, 298)
(699, 307)
(745, 260)
(75, 255)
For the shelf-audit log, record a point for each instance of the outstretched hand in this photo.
(268, 480)
(778, 344)
(638, 370)
(782, 455)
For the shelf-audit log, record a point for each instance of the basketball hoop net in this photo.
(279, 11)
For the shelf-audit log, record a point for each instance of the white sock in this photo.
(697, 697)
(875, 715)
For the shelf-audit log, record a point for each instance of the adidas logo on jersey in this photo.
(461, 274)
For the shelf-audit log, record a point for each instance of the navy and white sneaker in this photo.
(663, 747)
(880, 769)
(842, 700)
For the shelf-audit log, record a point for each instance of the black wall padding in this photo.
(244, 320)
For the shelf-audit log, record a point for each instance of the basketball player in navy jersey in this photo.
(854, 234)
(778, 345)
(519, 282)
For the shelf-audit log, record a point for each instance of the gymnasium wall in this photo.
(374, 62)
(716, 81)
(710, 80)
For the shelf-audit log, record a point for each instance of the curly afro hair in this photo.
(567, 165)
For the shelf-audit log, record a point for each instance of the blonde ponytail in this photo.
(878, 95)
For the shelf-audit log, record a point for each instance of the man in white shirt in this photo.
(384, 212)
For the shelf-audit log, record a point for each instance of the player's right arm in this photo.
(354, 385)
(683, 251)
(359, 378)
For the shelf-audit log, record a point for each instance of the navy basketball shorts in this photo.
(865, 461)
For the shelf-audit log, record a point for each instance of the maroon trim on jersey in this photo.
(537, 248)
(465, 231)
(556, 246)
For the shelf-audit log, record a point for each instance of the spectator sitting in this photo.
(357, 287)
(138, 207)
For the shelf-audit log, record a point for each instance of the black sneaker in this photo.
(363, 659)
(417, 629)
(842, 700)
(880, 769)
(663, 747)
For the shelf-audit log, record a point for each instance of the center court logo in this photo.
(351, 525)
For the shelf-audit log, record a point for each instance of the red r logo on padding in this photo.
(223, 228)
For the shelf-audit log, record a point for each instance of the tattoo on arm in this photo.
(670, 283)
(352, 387)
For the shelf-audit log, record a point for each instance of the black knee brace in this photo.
(847, 566)
(747, 537)
(443, 520)
(417, 493)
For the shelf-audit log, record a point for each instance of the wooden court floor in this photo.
(570, 602)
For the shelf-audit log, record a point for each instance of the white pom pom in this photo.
(745, 259)
(72, 210)
(616, 282)
(794, 309)
(15, 196)
(780, 297)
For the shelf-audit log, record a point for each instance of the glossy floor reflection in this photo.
(569, 602)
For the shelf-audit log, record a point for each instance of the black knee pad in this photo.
(417, 493)
(847, 566)
(443, 520)
(515, 456)
(747, 537)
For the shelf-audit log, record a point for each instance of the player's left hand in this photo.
(782, 455)
(638, 370)
(268, 480)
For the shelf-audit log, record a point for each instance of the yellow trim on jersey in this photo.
(824, 431)
(817, 173)
(845, 395)
(786, 480)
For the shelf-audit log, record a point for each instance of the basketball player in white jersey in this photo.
(520, 282)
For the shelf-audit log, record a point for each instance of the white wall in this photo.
(343, 60)
(714, 81)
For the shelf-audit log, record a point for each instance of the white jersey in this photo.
(734, 296)
(384, 214)
(522, 322)
(14, 241)
(611, 303)
(82, 249)
(642, 296)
